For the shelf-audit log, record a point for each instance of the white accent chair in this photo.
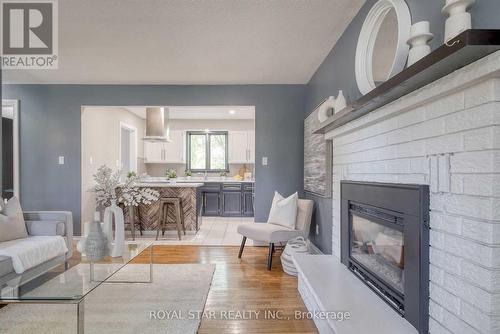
(271, 233)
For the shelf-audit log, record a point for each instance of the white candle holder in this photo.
(420, 36)
(458, 19)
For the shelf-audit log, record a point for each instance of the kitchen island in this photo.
(149, 215)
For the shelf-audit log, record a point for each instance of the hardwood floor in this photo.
(242, 284)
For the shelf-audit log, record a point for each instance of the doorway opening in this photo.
(128, 149)
(10, 149)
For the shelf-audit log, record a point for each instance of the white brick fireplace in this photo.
(446, 135)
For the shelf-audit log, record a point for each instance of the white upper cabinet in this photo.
(174, 151)
(238, 145)
(160, 152)
(251, 147)
(241, 147)
(153, 152)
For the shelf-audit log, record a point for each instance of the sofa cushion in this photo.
(12, 225)
(31, 251)
(46, 227)
(5, 265)
(284, 210)
(11, 228)
(267, 232)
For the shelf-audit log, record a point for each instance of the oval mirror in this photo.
(382, 50)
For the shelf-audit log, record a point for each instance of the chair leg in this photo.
(138, 218)
(182, 219)
(270, 256)
(160, 221)
(178, 218)
(131, 217)
(242, 246)
(165, 218)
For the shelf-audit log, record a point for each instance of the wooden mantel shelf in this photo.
(464, 49)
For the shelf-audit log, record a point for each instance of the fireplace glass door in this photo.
(379, 249)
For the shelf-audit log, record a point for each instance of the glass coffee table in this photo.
(62, 285)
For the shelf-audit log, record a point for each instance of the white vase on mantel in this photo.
(340, 102)
(117, 243)
(420, 35)
(326, 108)
(458, 19)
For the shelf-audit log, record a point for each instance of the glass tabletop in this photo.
(71, 285)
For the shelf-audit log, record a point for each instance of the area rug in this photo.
(168, 305)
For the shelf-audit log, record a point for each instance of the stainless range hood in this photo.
(157, 128)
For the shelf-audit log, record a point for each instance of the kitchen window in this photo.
(207, 151)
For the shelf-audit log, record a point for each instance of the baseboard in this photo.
(313, 249)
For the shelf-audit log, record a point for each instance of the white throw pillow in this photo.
(12, 225)
(284, 210)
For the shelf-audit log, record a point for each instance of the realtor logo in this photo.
(29, 34)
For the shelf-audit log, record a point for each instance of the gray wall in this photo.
(50, 125)
(337, 73)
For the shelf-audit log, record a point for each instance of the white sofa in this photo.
(45, 230)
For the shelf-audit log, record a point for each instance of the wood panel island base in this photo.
(149, 215)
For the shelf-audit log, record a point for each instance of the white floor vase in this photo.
(294, 246)
(115, 244)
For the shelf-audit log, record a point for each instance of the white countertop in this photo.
(196, 179)
(170, 184)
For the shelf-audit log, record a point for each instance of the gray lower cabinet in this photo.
(211, 204)
(231, 203)
(248, 204)
(228, 199)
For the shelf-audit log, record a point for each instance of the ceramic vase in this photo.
(458, 19)
(114, 213)
(96, 243)
(420, 36)
(340, 102)
(326, 109)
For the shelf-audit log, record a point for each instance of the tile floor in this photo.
(214, 231)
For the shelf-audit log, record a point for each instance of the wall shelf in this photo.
(464, 49)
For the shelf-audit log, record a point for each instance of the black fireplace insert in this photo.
(385, 243)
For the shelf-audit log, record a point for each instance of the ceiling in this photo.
(193, 42)
(203, 112)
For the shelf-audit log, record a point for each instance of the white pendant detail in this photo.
(116, 244)
(420, 35)
(340, 102)
(458, 19)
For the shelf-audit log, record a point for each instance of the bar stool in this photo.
(176, 204)
(134, 218)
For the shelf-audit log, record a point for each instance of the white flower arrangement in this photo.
(131, 195)
(106, 182)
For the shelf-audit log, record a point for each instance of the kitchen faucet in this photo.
(204, 174)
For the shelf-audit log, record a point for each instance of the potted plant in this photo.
(171, 174)
(95, 243)
(188, 174)
(223, 175)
